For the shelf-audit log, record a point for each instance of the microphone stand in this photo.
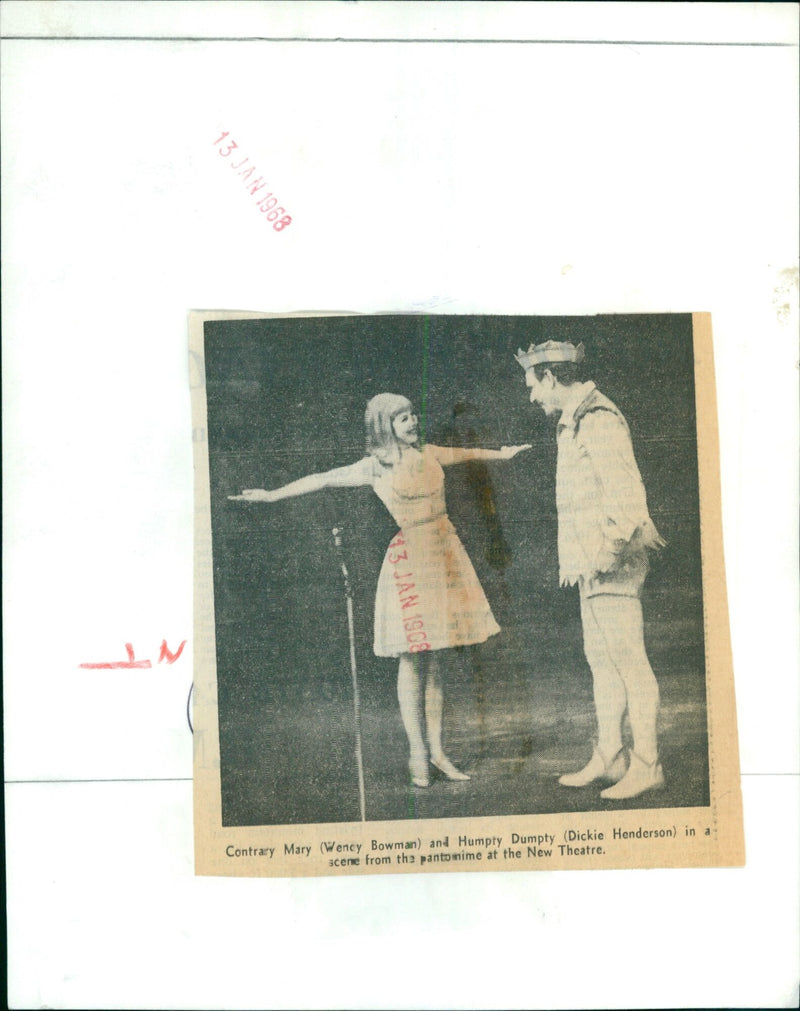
(337, 538)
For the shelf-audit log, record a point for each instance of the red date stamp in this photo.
(267, 203)
(413, 625)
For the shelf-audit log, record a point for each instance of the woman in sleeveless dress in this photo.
(428, 596)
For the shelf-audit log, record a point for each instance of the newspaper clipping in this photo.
(459, 595)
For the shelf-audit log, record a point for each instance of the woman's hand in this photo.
(255, 495)
(508, 452)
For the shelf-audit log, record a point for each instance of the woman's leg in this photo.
(409, 695)
(434, 714)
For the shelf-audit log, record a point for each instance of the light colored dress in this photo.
(428, 595)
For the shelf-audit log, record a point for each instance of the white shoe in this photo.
(641, 776)
(443, 764)
(597, 768)
(418, 770)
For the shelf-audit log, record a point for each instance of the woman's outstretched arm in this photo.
(352, 476)
(447, 455)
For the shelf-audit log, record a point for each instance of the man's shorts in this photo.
(626, 580)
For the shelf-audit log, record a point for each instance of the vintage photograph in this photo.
(457, 570)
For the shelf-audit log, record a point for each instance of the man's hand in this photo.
(605, 562)
(609, 560)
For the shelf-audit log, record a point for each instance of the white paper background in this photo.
(457, 177)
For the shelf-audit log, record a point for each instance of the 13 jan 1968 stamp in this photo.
(253, 182)
(459, 595)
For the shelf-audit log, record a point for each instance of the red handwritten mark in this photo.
(165, 653)
(132, 663)
(266, 203)
(128, 664)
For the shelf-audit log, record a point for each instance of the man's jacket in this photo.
(602, 505)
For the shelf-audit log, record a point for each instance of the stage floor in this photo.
(291, 759)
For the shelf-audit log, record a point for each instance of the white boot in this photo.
(598, 767)
(641, 776)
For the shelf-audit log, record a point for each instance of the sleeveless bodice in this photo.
(412, 490)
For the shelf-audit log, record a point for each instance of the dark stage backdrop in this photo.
(286, 397)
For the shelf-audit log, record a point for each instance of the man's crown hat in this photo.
(550, 352)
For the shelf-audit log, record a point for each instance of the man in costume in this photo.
(604, 536)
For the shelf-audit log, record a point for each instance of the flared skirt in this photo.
(428, 595)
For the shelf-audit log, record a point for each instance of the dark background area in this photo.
(286, 397)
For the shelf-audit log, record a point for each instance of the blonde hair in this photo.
(378, 417)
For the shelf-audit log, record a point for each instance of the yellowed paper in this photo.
(301, 748)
